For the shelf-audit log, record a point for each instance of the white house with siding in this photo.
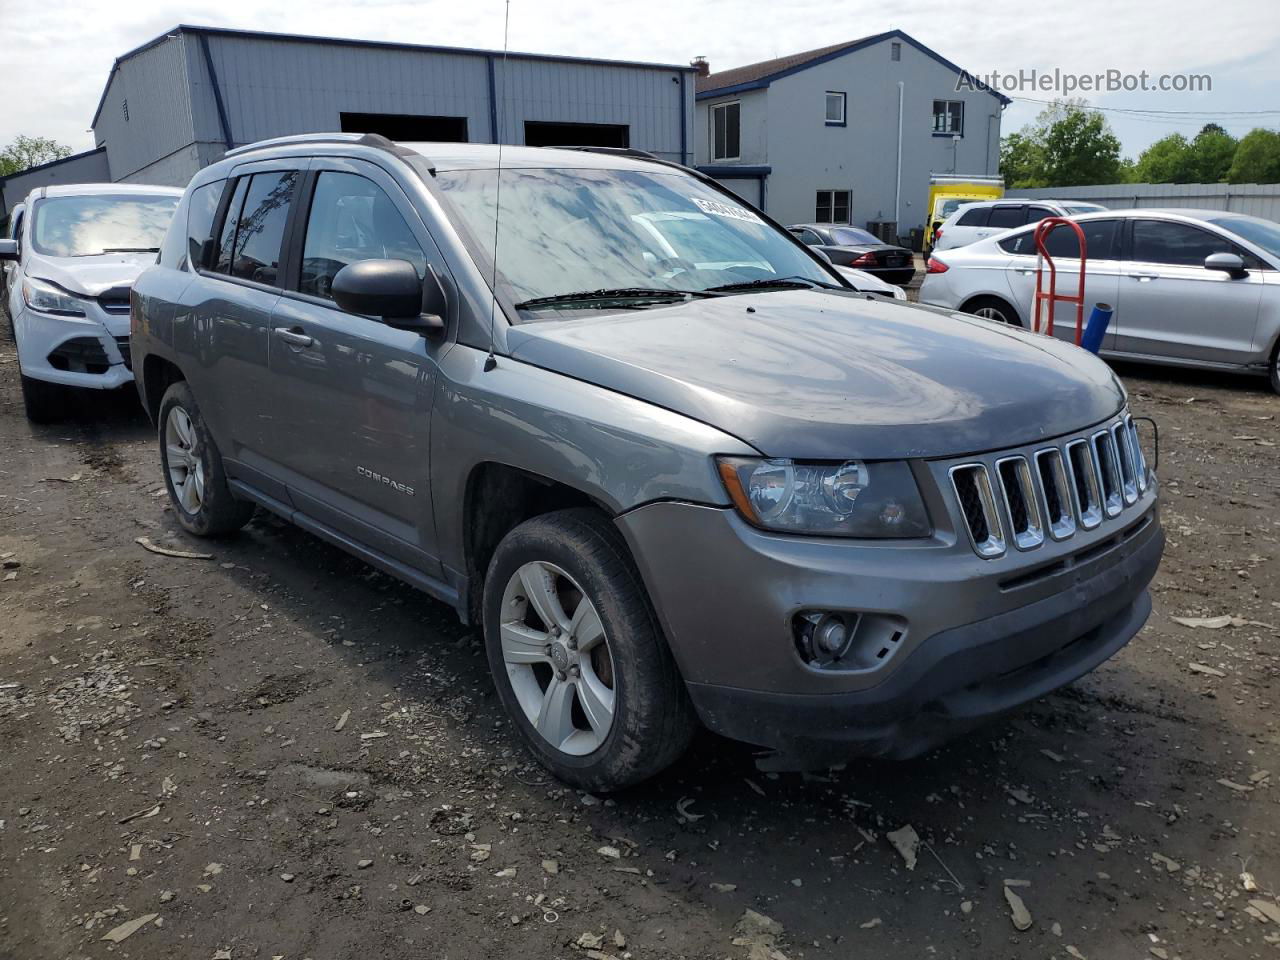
(848, 133)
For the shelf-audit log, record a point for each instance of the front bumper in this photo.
(978, 637)
(90, 351)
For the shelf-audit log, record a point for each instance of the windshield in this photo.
(566, 231)
(91, 225)
(1261, 233)
(853, 235)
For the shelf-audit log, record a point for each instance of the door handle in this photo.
(1026, 273)
(1144, 277)
(293, 336)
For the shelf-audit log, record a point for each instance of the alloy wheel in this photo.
(557, 658)
(182, 454)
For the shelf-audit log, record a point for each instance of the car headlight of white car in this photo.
(44, 297)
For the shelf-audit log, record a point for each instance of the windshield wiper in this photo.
(129, 250)
(617, 293)
(778, 283)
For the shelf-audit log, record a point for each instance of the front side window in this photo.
(835, 107)
(202, 206)
(1036, 214)
(352, 219)
(1175, 244)
(832, 206)
(948, 117)
(726, 131)
(563, 232)
(88, 226)
(251, 236)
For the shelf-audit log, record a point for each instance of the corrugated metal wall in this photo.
(89, 167)
(1258, 200)
(152, 84)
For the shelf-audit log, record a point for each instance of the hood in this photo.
(91, 276)
(811, 374)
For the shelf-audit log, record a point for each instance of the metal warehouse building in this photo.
(178, 103)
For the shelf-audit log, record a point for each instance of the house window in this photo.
(835, 108)
(832, 206)
(895, 51)
(948, 118)
(726, 131)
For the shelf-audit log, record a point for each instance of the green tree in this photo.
(1257, 158)
(25, 152)
(1212, 151)
(1068, 144)
(1168, 160)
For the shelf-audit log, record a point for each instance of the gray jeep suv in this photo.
(674, 467)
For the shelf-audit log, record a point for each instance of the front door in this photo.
(1171, 306)
(354, 433)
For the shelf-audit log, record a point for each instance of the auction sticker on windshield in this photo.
(718, 209)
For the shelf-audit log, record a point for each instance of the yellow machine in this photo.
(947, 191)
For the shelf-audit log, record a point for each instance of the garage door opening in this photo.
(407, 127)
(540, 133)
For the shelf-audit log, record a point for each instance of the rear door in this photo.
(1102, 272)
(353, 433)
(1171, 306)
(237, 284)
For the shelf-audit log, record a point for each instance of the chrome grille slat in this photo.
(1060, 509)
(1139, 458)
(1022, 502)
(1124, 458)
(1104, 454)
(1084, 483)
(972, 485)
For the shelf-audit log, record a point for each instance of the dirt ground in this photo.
(278, 752)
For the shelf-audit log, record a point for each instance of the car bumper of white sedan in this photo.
(87, 351)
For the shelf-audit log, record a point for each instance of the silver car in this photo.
(1193, 288)
(985, 218)
(731, 490)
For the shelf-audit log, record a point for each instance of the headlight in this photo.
(851, 499)
(44, 297)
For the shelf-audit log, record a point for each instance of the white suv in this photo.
(977, 221)
(75, 253)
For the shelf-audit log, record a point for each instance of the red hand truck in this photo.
(1052, 295)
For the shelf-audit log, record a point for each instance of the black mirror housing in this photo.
(391, 290)
(1231, 263)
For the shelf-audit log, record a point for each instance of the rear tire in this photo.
(44, 402)
(626, 673)
(193, 471)
(993, 308)
(1275, 368)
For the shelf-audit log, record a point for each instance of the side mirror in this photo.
(8, 249)
(1231, 263)
(391, 290)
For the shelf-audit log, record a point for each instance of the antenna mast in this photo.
(491, 361)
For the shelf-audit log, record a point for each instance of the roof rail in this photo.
(375, 140)
(616, 152)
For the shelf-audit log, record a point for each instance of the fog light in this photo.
(823, 638)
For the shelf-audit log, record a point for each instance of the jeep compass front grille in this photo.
(1054, 490)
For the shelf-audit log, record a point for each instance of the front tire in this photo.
(193, 472)
(577, 655)
(44, 402)
(993, 308)
(1275, 368)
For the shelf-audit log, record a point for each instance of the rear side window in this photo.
(202, 206)
(1002, 218)
(250, 246)
(1176, 244)
(807, 236)
(1099, 237)
(352, 219)
(974, 217)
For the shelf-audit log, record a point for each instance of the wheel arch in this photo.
(158, 374)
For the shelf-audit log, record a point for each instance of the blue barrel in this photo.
(1096, 328)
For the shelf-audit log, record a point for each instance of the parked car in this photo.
(7, 267)
(811, 519)
(1194, 288)
(861, 280)
(76, 253)
(975, 221)
(857, 248)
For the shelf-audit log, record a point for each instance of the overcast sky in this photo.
(57, 53)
